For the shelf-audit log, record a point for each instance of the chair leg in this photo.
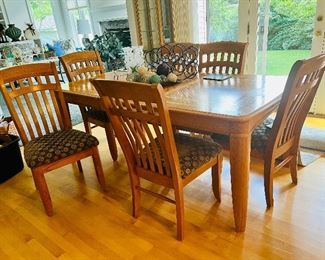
(85, 119)
(294, 170)
(136, 194)
(79, 166)
(216, 171)
(268, 182)
(179, 198)
(98, 167)
(111, 140)
(34, 179)
(41, 185)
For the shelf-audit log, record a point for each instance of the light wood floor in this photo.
(91, 224)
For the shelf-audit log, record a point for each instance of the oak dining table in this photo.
(232, 107)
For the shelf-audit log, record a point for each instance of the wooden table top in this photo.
(238, 97)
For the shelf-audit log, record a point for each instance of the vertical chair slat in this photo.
(30, 107)
(41, 112)
(33, 114)
(39, 108)
(292, 114)
(148, 153)
(47, 104)
(163, 149)
(25, 116)
(133, 142)
(138, 142)
(49, 110)
(155, 149)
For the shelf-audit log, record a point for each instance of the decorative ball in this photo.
(138, 78)
(172, 77)
(154, 79)
(148, 75)
(142, 70)
(163, 69)
(163, 78)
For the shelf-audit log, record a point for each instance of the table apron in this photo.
(191, 121)
(82, 100)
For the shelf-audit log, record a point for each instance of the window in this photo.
(42, 13)
(78, 9)
(222, 20)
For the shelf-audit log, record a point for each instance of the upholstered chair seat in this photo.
(260, 137)
(57, 145)
(193, 152)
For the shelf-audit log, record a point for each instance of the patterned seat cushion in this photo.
(57, 145)
(193, 152)
(260, 136)
(99, 115)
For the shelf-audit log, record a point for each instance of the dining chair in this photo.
(143, 128)
(85, 65)
(277, 141)
(35, 101)
(224, 57)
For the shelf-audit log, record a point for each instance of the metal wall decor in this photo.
(182, 59)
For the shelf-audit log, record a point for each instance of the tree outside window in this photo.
(44, 22)
(222, 20)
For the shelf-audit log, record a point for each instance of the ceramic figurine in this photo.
(30, 33)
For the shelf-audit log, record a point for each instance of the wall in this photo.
(17, 12)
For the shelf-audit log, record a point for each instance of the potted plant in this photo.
(110, 49)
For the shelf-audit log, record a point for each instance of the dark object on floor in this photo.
(11, 162)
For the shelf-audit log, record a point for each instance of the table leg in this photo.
(239, 169)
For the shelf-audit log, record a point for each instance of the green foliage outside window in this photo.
(291, 24)
(40, 9)
(223, 20)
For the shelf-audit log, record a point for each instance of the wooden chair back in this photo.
(300, 90)
(82, 65)
(143, 128)
(222, 57)
(34, 98)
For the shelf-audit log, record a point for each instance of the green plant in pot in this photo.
(110, 49)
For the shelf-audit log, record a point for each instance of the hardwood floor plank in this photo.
(91, 224)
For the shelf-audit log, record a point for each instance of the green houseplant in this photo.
(110, 49)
